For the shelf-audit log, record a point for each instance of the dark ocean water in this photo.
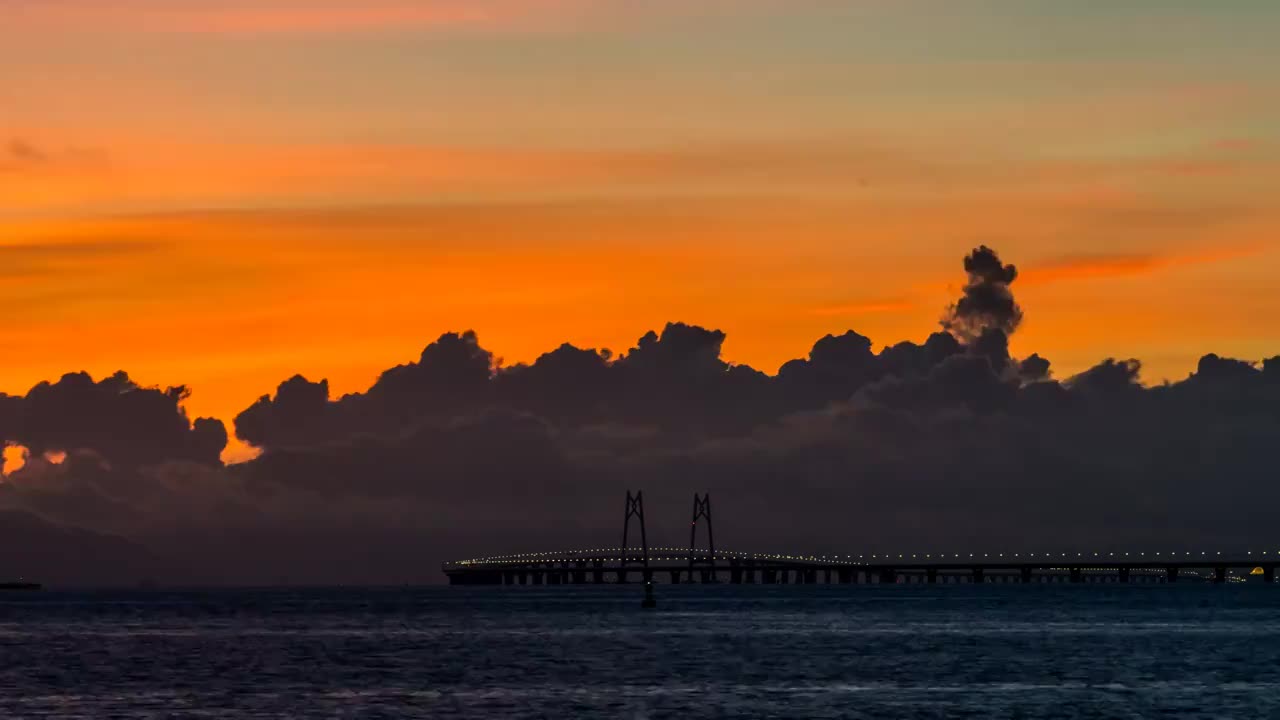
(722, 651)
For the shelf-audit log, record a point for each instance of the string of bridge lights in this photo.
(633, 553)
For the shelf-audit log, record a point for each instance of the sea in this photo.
(706, 651)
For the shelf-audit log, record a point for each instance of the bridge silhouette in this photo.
(709, 565)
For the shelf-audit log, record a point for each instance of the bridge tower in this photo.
(635, 508)
(702, 511)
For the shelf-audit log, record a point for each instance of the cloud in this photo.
(27, 259)
(1091, 266)
(987, 303)
(18, 154)
(23, 151)
(946, 444)
(122, 423)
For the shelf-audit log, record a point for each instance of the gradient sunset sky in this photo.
(223, 193)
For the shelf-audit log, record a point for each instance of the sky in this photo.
(223, 193)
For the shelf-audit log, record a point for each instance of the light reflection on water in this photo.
(724, 651)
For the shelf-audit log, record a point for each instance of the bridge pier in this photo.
(1026, 575)
(1171, 575)
(888, 576)
(1219, 575)
(675, 577)
(1123, 576)
(597, 572)
(769, 577)
(1269, 574)
(979, 576)
(1077, 575)
(931, 576)
(844, 575)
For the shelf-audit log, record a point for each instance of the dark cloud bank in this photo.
(946, 445)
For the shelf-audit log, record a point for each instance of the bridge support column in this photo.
(1026, 575)
(770, 577)
(888, 576)
(580, 574)
(537, 577)
(811, 577)
(1171, 575)
(622, 576)
(1269, 574)
(735, 572)
(979, 576)
(931, 576)
(1124, 575)
(1077, 575)
(844, 575)
(782, 576)
(1219, 575)
(675, 577)
(597, 572)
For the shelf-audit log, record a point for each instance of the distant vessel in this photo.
(20, 586)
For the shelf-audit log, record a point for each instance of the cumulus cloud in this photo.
(947, 444)
(123, 423)
(987, 303)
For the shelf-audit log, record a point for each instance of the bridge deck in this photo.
(680, 564)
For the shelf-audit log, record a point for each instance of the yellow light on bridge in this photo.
(1257, 571)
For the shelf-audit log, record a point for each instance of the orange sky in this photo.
(224, 194)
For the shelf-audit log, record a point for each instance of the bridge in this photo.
(709, 565)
